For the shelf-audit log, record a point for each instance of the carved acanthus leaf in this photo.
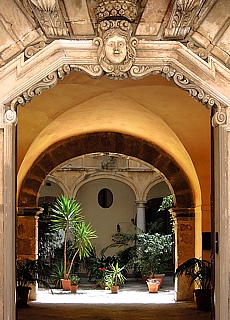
(50, 17)
(182, 17)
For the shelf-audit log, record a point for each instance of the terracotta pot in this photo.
(65, 284)
(153, 287)
(114, 289)
(73, 288)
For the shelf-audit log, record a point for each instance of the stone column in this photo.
(8, 120)
(184, 228)
(221, 183)
(141, 215)
(27, 237)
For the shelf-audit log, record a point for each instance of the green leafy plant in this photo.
(167, 203)
(27, 272)
(114, 276)
(67, 216)
(153, 251)
(74, 280)
(57, 274)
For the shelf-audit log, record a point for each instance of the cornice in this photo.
(57, 60)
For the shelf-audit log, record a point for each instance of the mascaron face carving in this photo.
(116, 47)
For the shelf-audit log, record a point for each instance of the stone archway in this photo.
(38, 74)
(104, 142)
(129, 145)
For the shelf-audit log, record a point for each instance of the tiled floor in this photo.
(131, 303)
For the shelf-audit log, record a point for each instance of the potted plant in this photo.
(66, 216)
(199, 271)
(153, 251)
(153, 285)
(114, 278)
(74, 280)
(26, 275)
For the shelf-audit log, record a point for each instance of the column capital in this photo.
(29, 211)
(8, 114)
(140, 203)
(220, 114)
(182, 212)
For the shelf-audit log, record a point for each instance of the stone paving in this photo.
(132, 302)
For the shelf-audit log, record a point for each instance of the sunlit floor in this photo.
(132, 292)
(132, 302)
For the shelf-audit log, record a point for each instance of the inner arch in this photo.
(72, 147)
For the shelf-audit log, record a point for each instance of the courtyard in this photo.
(132, 301)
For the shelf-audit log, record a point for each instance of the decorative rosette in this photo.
(116, 9)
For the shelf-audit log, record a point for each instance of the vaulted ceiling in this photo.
(151, 108)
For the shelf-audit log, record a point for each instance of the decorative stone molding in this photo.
(27, 211)
(36, 89)
(32, 50)
(201, 52)
(120, 8)
(116, 48)
(92, 70)
(182, 17)
(10, 115)
(180, 80)
(181, 212)
(50, 17)
(220, 115)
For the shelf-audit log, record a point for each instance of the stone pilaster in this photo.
(27, 238)
(184, 227)
(27, 232)
(220, 166)
(8, 120)
(141, 215)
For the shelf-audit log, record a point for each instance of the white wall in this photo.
(105, 220)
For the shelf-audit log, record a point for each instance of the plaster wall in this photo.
(105, 220)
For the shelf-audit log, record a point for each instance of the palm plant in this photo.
(66, 216)
(199, 271)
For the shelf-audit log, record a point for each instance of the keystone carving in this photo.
(116, 48)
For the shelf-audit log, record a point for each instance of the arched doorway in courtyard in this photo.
(154, 134)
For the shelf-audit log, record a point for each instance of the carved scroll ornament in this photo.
(49, 81)
(180, 80)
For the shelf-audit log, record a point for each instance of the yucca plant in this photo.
(114, 276)
(66, 216)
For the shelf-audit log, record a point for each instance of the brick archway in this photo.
(104, 142)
